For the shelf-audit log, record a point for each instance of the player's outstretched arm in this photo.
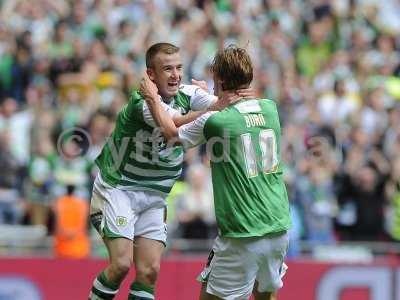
(150, 93)
(227, 99)
(231, 97)
(180, 120)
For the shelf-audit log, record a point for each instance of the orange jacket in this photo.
(71, 236)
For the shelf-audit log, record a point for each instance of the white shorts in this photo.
(235, 264)
(118, 213)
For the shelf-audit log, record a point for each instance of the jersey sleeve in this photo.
(148, 117)
(199, 99)
(191, 134)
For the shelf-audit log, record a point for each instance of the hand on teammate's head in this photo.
(247, 93)
(227, 98)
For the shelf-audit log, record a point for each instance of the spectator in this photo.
(315, 194)
(71, 230)
(363, 190)
(341, 101)
(40, 187)
(392, 211)
(9, 195)
(195, 210)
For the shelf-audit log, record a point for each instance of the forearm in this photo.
(215, 106)
(163, 120)
(185, 119)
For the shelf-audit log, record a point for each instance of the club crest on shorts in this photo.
(122, 221)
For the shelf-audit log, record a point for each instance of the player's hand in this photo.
(201, 84)
(227, 98)
(248, 93)
(149, 90)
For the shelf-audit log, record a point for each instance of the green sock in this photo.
(103, 289)
(140, 291)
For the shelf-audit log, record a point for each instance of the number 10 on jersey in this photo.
(269, 155)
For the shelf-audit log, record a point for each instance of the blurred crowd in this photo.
(333, 67)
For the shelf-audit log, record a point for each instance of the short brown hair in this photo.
(233, 67)
(166, 48)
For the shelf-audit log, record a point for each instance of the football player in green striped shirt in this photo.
(251, 202)
(137, 171)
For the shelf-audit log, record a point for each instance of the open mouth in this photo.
(173, 84)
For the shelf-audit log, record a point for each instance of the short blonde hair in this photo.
(166, 48)
(233, 67)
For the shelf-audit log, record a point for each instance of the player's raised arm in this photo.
(231, 97)
(176, 116)
(150, 93)
(202, 100)
(190, 135)
(180, 120)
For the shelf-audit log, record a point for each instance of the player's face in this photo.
(166, 74)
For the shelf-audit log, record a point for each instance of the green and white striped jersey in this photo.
(243, 142)
(135, 157)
